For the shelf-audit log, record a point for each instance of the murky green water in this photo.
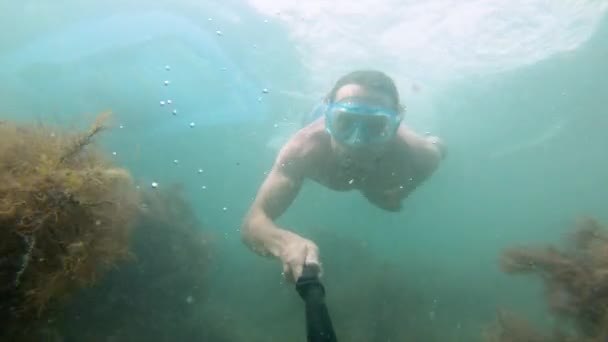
(516, 89)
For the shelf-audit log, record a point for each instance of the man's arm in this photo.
(279, 189)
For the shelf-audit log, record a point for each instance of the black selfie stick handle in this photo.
(318, 323)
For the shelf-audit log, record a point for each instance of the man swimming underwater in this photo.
(357, 143)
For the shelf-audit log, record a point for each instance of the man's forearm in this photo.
(263, 236)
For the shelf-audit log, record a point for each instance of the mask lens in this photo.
(368, 124)
(343, 122)
(377, 126)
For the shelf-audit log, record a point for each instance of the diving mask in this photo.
(354, 123)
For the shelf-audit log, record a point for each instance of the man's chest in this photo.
(388, 176)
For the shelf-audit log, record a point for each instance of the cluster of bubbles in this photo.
(164, 103)
(174, 111)
(168, 104)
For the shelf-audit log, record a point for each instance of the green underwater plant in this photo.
(160, 294)
(575, 279)
(66, 214)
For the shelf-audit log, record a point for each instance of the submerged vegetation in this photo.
(136, 265)
(72, 225)
(66, 214)
(575, 279)
(160, 294)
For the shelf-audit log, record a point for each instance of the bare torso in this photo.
(384, 181)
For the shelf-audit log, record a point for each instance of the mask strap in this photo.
(317, 111)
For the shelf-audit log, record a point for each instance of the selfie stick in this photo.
(318, 322)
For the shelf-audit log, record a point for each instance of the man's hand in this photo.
(297, 253)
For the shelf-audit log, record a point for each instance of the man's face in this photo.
(358, 94)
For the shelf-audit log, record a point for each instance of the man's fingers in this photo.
(287, 273)
(292, 271)
(312, 260)
(307, 256)
(296, 271)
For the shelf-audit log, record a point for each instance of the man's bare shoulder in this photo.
(427, 150)
(305, 146)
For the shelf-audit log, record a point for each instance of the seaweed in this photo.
(575, 280)
(160, 294)
(66, 214)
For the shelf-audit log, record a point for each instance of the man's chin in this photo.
(393, 207)
(396, 209)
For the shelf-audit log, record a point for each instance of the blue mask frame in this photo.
(359, 130)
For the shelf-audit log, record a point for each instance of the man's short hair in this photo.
(369, 79)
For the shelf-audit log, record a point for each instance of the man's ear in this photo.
(401, 112)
